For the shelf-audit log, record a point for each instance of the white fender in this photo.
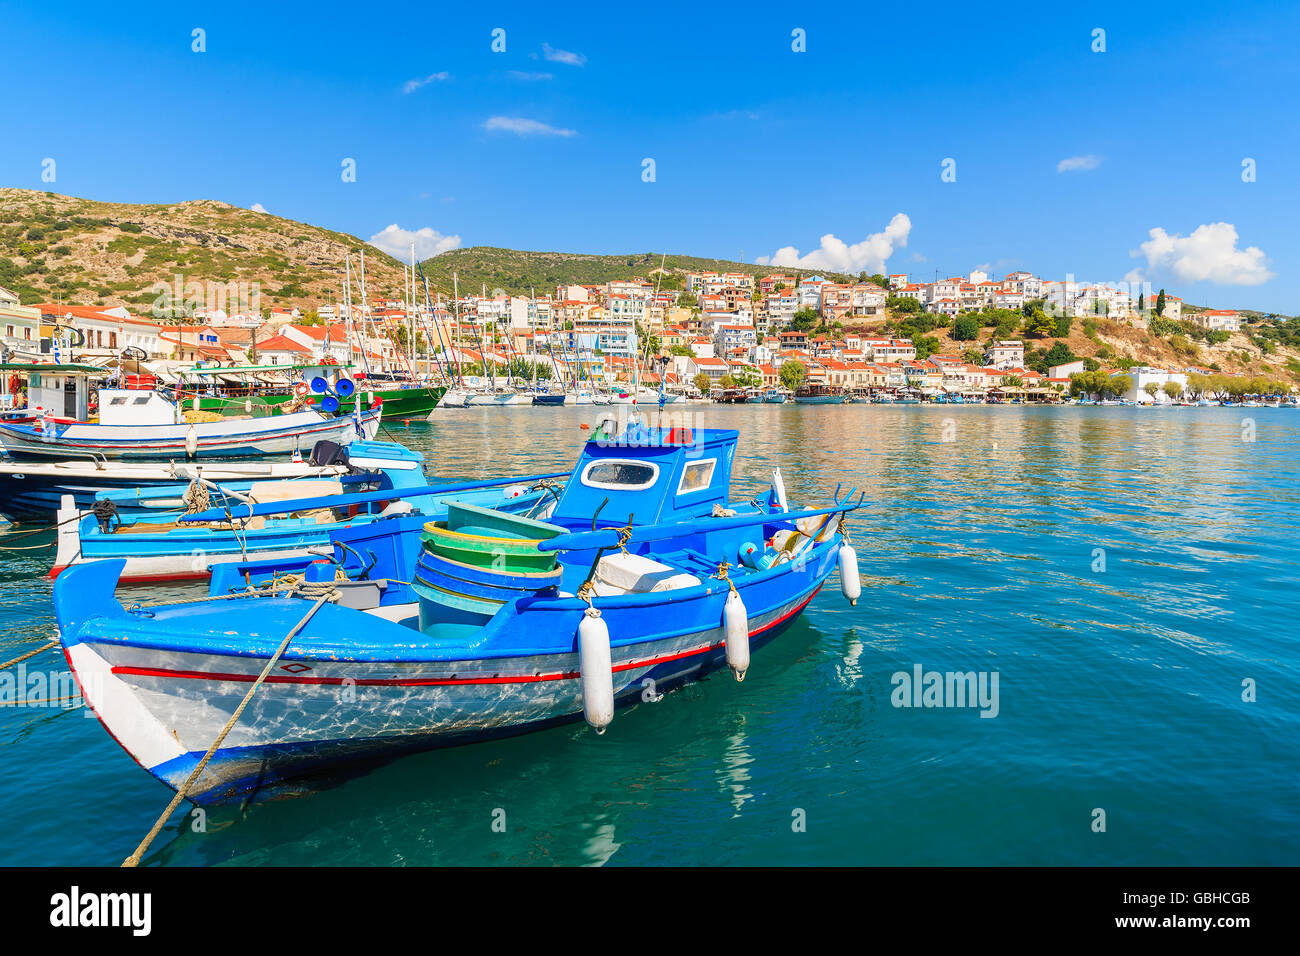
(850, 583)
(778, 486)
(735, 625)
(191, 441)
(596, 670)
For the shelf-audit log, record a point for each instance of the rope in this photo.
(134, 859)
(38, 703)
(196, 497)
(43, 647)
(724, 573)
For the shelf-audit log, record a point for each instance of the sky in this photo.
(929, 139)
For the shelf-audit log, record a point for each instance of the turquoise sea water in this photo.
(1120, 672)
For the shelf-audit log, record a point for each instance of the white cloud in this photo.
(1078, 164)
(1209, 254)
(258, 207)
(562, 56)
(529, 77)
(412, 85)
(835, 255)
(525, 127)
(396, 241)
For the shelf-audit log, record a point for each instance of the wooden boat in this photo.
(244, 389)
(645, 576)
(150, 535)
(774, 396)
(146, 425)
(819, 395)
(36, 489)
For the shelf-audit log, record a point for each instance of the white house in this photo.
(1142, 376)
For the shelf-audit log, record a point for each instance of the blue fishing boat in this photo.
(644, 577)
(149, 532)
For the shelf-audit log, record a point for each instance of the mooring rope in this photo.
(43, 647)
(134, 859)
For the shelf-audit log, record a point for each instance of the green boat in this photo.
(252, 397)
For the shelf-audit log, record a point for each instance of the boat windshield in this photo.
(620, 473)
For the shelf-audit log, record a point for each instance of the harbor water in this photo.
(1121, 582)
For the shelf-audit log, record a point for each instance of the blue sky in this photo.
(756, 147)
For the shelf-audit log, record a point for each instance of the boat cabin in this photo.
(648, 476)
(132, 406)
(61, 389)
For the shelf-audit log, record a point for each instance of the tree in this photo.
(1174, 390)
(1160, 303)
(747, 378)
(727, 381)
(793, 374)
(902, 303)
(1039, 323)
(966, 328)
(702, 383)
(804, 319)
(1059, 354)
(1151, 388)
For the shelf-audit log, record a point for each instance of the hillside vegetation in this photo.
(60, 248)
(518, 272)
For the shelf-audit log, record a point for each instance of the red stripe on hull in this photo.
(445, 681)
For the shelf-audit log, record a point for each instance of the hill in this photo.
(517, 272)
(80, 251)
(60, 248)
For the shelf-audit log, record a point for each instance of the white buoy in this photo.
(850, 583)
(596, 670)
(735, 625)
(191, 441)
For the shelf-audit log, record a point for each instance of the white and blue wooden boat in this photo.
(645, 577)
(143, 426)
(31, 490)
(148, 533)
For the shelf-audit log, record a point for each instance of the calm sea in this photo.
(1129, 576)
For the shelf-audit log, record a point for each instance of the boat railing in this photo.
(360, 498)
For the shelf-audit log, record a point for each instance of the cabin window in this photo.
(697, 476)
(620, 474)
(117, 401)
(142, 400)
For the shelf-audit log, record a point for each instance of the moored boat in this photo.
(645, 576)
(819, 395)
(146, 425)
(159, 541)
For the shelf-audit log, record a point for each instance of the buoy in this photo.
(191, 441)
(248, 406)
(584, 425)
(750, 555)
(850, 583)
(406, 422)
(596, 670)
(735, 625)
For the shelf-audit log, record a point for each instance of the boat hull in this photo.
(36, 489)
(165, 699)
(398, 403)
(231, 438)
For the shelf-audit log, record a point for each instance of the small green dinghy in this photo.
(490, 539)
(476, 561)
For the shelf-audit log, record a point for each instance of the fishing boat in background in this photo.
(147, 425)
(819, 395)
(259, 389)
(774, 396)
(36, 489)
(407, 637)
